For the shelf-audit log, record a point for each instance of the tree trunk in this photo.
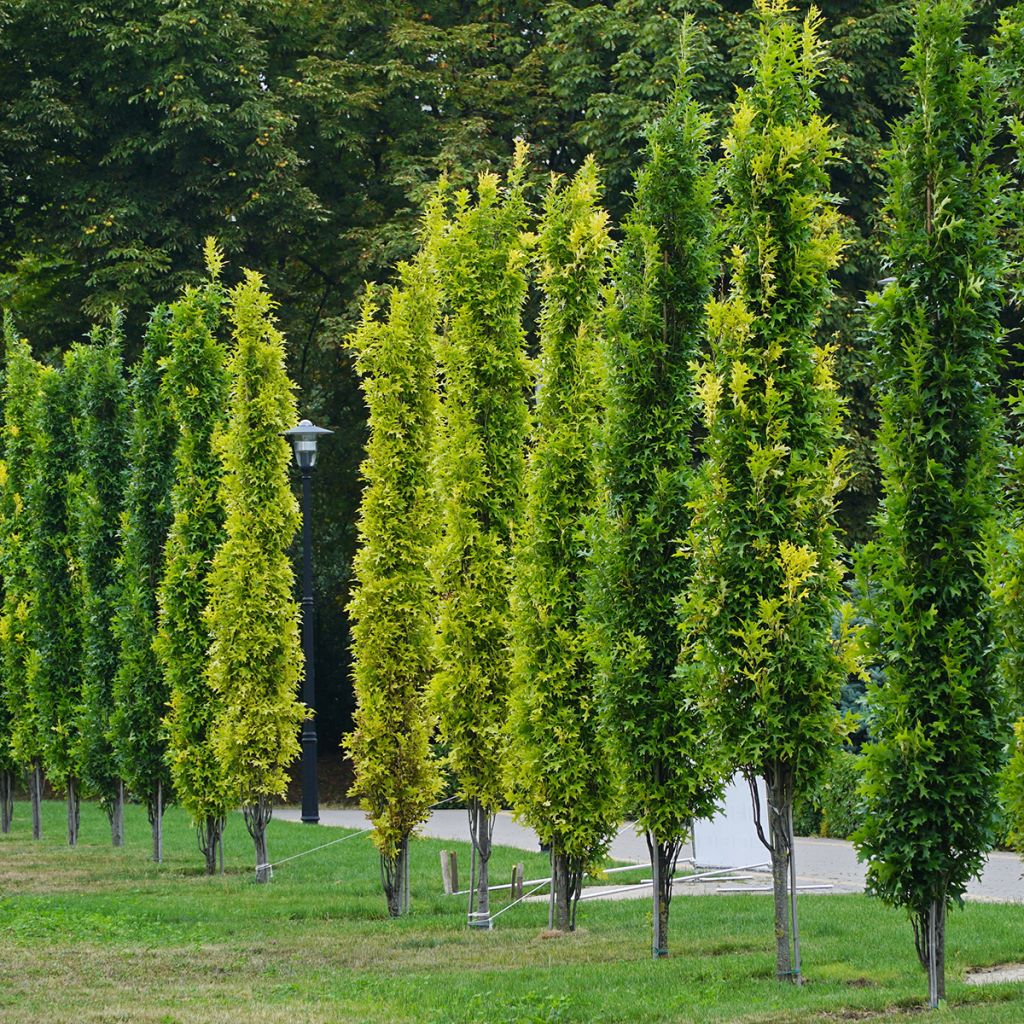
(117, 817)
(155, 806)
(394, 873)
(257, 817)
(6, 800)
(930, 940)
(779, 788)
(664, 856)
(481, 830)
(74, 811)
(35, 790)
(210, 835)
(566, 883)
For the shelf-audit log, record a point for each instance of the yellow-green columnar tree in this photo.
(20, 394)
(559, 771)
(255, 657)
(196, 385)
(140, 690)
(55, 673)
(767, 582)
(392, 607)
(930, 776)
(482, 269)
(662, 274)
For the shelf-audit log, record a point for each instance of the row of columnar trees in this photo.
(149, 629)
(587, 609)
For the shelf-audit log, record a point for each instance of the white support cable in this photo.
(547, 881)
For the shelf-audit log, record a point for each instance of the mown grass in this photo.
(101, 935)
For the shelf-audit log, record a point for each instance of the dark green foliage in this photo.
(140, 690)
(558, 767)
(833, 806)
(930, 777)
(195, 384)
(96, 496)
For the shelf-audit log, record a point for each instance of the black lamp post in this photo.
(303, 439)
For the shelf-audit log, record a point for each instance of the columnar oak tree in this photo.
(20, 393)
(558, 766)
(482, 268)
(767, 580)
(140, 690)
(96, 496)
(662, 274)
(930, 777)
(255, 656)
(392, 607)
(196, 386)
(55, 675)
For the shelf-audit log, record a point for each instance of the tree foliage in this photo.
(930, 775)
(558, 766)
(767, 579)
(252, 604)
(392, 607)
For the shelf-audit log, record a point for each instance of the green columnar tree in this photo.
(559, 772)
(757, 624)
(482, 267)
(392, 607)
(662, 273)
(20, 393)
(96, 496)
(930, 777)
(252, 603)
(196, 386)
(140, 690)
(55, 672)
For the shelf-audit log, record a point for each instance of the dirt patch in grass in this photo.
(995, 975)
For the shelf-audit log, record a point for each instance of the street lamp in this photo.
(304, 438)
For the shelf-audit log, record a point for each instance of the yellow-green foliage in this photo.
(558, 768)
(482, 267)
(392, 607)
(255, 657)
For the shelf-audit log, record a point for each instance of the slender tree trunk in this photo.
(481, 830)
(394, 873)
(664, 856)
(6, 800)
(155, 807)
(257, 818)
(35, 791)
(210, 834)
(74, 811)
(566, 883)
(117, 816)
(930, 940)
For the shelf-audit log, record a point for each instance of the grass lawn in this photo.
(102, 935)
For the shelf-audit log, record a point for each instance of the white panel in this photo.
(729, 839)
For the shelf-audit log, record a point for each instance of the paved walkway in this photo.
(818, 861)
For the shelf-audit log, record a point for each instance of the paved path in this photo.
(818, 861)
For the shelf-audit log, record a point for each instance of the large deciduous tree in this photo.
(767, 581)
(662, 274)
(252, 604)
(140, 690)
(196, 385)
(392, 608)
(482, 268)
(930, 777)
(558, 767)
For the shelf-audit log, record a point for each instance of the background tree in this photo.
(96, 494)
(392, 607)
(252, 602)
(930, 777)
(482, 268)
(558, 768)
(55, 671)
(767, 580)
(140, 690)
(195, 384)
(662, 273)
(21, 388)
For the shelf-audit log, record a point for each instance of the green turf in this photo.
(101, 935)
